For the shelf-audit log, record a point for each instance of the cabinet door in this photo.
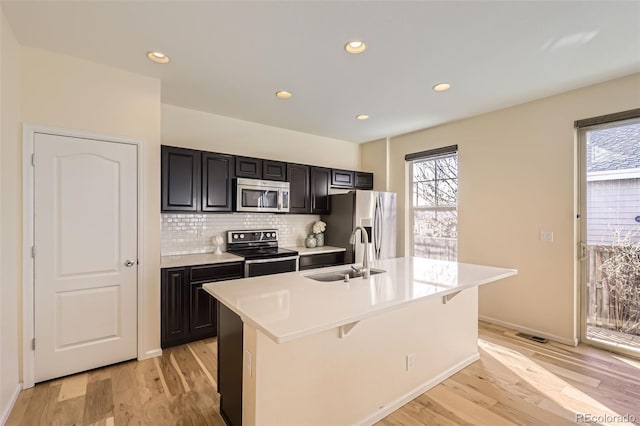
(217, 188)
(342, 178)
(364, 180)
(202, 313)
(174, 327)
(247, 167)
(180, 170)
(274, 170)
(299, 201)
(320, 179)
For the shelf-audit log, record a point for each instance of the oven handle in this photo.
(273, 259)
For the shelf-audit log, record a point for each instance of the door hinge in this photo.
(33, 159)
(33, 344)
(33, 251)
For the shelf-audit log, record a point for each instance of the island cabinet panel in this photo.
(320, 180)
(299, 201)
(312, 261)
(342, 178)
(363, 180)
(217, 182)
(230, 352)
(180, 179)
(274, 170)
(247, 167)
(188, 312)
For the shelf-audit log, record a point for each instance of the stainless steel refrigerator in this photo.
(373, 210)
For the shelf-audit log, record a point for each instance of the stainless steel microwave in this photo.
(254, 195)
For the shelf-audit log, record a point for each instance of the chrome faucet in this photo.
(365, 257)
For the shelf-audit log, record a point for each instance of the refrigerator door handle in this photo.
(377, 231)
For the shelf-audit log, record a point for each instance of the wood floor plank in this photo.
(69, 411)
(73, 386)
(98, 401)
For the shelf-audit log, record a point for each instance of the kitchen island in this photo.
(294, 351)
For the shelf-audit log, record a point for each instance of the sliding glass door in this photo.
(610, 235)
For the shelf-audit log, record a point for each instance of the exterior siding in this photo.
(613, 205)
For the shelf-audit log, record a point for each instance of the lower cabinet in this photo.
(188, 312)
(312, 261)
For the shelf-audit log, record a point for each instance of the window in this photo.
(434, 203)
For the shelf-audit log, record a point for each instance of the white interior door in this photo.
(85, 232)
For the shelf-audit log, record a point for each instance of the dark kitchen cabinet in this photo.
(320, 179)
(188, 312)
(299, 201)
(312, 261)
(217, 182)
(174, 326)
(363, 180)
(342, 178)
(274, 170)
(247, 167)
(180, 177)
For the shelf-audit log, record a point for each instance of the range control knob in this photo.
(242, 236)
(235, 236)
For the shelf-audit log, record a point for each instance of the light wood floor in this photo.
(516, 381)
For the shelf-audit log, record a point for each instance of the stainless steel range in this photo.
(261, 253)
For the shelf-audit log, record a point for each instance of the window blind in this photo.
(609, 118)
(445, 150)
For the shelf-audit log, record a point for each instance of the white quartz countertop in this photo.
(289, 306)
(198, 259)
(305, 251)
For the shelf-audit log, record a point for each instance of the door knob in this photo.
(129, 263)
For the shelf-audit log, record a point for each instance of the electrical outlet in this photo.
(410, 361)
(546, 236)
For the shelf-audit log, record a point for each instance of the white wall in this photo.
(209, 132)
(374, 158)
(10, 223)
(517, 177)
(65, 92)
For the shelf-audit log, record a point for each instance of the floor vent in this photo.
(534, 338)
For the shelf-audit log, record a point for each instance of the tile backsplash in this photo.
(185, 233)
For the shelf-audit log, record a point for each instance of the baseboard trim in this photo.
(152, 354)
(7, 411)
(518, 327)
(394, 405)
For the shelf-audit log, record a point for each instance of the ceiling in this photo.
(229, 58)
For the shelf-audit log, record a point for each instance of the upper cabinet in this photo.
(299, 201)
(274, 170)
(363, 180)
(320, 179)
(200, 181)
(180, 171)
(342, 178)
(217, 182)
(247, 167)
(256, 168)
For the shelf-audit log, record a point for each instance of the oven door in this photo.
(258, 267)
(258, 199)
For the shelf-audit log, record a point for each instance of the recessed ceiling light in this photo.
(441, 87)
(158, 57)
(282, 94)
(355, 46)
(362, 117)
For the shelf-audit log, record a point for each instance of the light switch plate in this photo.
(546, 236)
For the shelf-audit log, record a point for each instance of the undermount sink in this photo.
(340, 275)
